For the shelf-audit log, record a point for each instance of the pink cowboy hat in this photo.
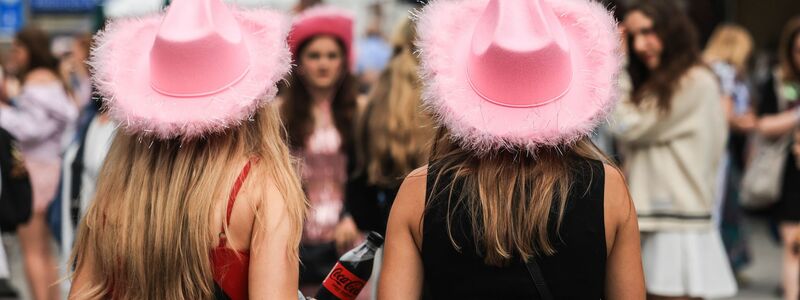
(199, 68)
(518, 74)
(323, 20)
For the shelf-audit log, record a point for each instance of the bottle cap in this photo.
(375, 239)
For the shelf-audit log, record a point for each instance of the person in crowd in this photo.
(75, 72)
(319, 106)
(728, 53)
(15, 202)
(778, 117)
(673, 131)
(82, 162)
(513, 181)
(392, 138)
(305, 4)
(198, 198)
(38, 118)
(374, 52)
(6, 290)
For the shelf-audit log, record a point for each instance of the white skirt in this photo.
(3, 261)
(687, 263)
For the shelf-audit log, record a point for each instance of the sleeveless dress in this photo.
(576, 271)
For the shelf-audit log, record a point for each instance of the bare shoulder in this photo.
(618, 203)
(412, 191)
(41, 76)
(409, 204)
(421, 171)
(265, 191)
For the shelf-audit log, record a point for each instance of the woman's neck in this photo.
(319, 95)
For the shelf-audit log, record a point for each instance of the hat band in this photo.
(501, 103)
(202, 94)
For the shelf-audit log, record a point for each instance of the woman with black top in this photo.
(516, 202)
(779, 115)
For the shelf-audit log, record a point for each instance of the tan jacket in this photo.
(672, 158)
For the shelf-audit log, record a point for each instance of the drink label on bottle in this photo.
(342, 283)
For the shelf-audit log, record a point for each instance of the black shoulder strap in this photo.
(76, 170)
(538, 279)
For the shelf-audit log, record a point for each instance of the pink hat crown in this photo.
(518, 74)
(193, 38)
(199, 68)
(519, 40)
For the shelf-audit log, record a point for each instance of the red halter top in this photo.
(231, 267)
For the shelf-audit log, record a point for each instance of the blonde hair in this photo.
(395, 130)
(149, 226)
(508, 196)
(732, 44)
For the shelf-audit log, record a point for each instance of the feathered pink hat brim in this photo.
(120, 65)
(445, 30)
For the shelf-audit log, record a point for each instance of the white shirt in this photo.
(98, 141)
(3, 261)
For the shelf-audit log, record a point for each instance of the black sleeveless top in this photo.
(576, 271)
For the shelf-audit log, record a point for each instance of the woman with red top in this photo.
(198, 198)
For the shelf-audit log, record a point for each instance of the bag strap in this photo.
(538, 279)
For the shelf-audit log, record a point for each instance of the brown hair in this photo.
(305, 4)
(731, 44)
(394, 133)
(297, 103)
(508, 196)
(148, 226)
(786, 49)
(680, 52)
(37, 43)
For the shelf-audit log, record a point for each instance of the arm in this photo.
(624, 273)
(773, 123)
(402, 273)
(646, 124)
(45, 108)
(49, 92)
(273, 270)
(776, 125)
(26, 123)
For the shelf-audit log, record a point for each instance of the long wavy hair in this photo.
(509, 196)
(149, 227)
(788, 66)
(297, 103)
(395, 131)
(680, 53)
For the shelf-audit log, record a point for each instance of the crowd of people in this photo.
(208, 152)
